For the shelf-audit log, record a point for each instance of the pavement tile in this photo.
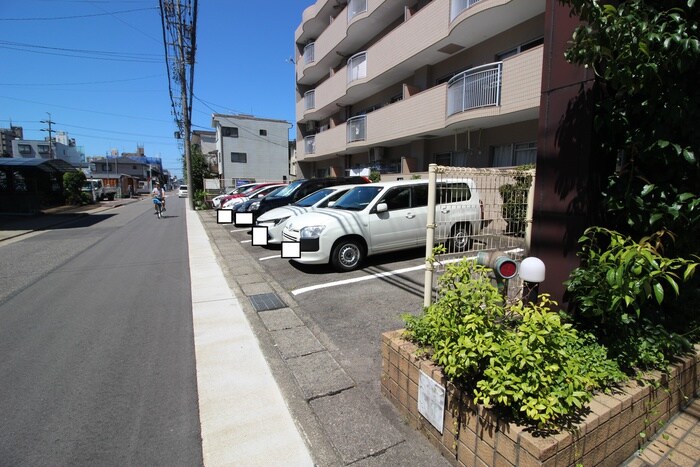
(296, 342)
(283, 318)
(355, 426)
(319, 374)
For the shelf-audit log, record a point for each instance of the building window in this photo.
(263, 132)
(519, 49)
(231, 132)
(43, 148)
(239, 157)
(24, 149)
(513, 155)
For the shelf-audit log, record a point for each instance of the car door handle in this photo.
(444, 210)
(410, 215)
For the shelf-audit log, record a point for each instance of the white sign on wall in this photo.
(431, 400)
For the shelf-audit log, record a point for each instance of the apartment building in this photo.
(251, 148)
(395, 85)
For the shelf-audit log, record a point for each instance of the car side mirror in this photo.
(331, 204)
(382, 207)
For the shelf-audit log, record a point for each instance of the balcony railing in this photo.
(310, 99)
(309, 53)
(357, 67)
(355, 7)
(474, 88)
(310, 144)
(458, 6)
(357, 128)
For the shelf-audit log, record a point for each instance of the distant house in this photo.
(206, 142)
(43, 149)
(251, 148)
(130, 173)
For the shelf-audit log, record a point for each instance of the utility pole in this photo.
(179, 20)
(49, 123)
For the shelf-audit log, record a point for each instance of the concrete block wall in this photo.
(617, 425)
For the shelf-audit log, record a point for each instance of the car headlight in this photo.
(312, 231)
(254, 206)
(279, 221)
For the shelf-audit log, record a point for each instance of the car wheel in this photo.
(461, 237)
(347, 255)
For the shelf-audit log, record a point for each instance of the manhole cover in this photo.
(266, 301)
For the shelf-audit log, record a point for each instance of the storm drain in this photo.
(266, 301)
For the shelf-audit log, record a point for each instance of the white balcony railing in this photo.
(310, 144)
(357, 67)
(357, 128)
(355, 7)
(310, 99)
(474, 88)
(458, 6)
(309, 53)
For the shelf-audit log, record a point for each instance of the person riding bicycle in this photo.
(159, 194)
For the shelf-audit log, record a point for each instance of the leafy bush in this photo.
(375, 176)
(200, 200)
(623, 292)
(73, 185)
(523, 360)
(514, 208)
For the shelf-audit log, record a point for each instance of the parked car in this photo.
(384, 217)
(93, 187)
(275, 219)
(182, 191)
(253, 203)
(217, 200)
(258, 193)
(298, 189)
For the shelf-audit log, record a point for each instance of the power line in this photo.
(111, 81)
(77, 16)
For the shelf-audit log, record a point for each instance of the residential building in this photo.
(46, 149)
(395, 85)
(251, 148)
(206, 142)
(130, 172)
(6, 137)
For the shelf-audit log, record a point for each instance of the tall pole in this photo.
(49, 123)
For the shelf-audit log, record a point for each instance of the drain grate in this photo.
(266, 301)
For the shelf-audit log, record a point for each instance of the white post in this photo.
(430, 235)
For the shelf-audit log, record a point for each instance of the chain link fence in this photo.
(472, 211)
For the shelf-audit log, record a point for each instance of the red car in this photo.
(244, 190)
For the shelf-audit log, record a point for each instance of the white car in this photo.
(275, 219)
(383, 217)
(182, 191)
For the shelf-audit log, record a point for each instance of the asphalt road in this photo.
(96, 341)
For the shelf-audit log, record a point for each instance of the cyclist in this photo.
(159, 194)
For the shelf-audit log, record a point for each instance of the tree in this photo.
(646, 59)
(73, 184)
(199, 169)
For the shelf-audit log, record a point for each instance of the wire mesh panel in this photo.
(477, 210)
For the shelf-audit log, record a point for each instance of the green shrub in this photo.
(624, 291)
(522, 360)
(200, 200)
(514, 207)
(73, 185)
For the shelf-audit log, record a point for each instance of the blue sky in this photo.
(98, 68)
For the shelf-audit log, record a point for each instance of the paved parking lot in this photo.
(323, 344)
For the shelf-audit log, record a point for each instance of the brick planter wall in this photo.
(473, 436)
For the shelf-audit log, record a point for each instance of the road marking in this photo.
(246, 241)
(326, 285)
(239, 230)
(268, 257)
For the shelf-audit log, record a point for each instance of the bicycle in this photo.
(158, 206)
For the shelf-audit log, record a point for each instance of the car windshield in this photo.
(183, 187)
(275, 191)
(289, 189)
(358, 198)
(314, 198)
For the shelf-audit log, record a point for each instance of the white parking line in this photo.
(247, 241)
(380, 275)
(269, 257)
(239, 230)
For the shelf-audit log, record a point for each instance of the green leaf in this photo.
(689, 156)
(659, 293)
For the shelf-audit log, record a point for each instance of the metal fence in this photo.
(477, 210)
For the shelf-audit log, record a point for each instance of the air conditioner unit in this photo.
(311, 125)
